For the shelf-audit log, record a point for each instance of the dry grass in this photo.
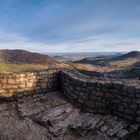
(7, 68)
(123, 63)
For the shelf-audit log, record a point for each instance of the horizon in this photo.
(70, 26)
(70, 52)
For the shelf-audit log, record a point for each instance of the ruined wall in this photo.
(28, 82)
(102, 95)
(99, 95)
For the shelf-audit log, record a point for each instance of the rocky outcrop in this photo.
(50, 117)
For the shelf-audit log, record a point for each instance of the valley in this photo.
(114, 65)
(122, 66)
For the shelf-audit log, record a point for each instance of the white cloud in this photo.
(13, 37)
(89, 44)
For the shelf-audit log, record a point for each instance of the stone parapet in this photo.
(28, 82)
(96, 95)
(103, 95)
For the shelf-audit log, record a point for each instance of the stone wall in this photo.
(28, 82)
(102, 95)
(97, 95)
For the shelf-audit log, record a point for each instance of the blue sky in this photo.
(70, 25)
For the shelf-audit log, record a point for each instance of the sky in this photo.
(70, 25)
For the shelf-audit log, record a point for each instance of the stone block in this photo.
(133, 106)
(22, 86)
(11, 81)
(6, 86)
(138, 119)
(90, 103)
(4, 81)
(2, 91)
(14, 86)
(30, 85)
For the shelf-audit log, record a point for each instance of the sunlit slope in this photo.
(6, 68)
(118, 62)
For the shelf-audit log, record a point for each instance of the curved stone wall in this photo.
(97, 95)
(102, 95)
(28, 82)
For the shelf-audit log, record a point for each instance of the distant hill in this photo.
(22, 56)
(133, 55)
(94, 61)
(132, 72)
(118, 61)
(101, 60)
(61, 58)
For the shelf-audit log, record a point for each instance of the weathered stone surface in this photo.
(122, 133)
(50, 117)
(14, 128)
(28, 105)
(26, 81)
(63, 120)
(57, 119)
(115, 104)
(102, 95)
